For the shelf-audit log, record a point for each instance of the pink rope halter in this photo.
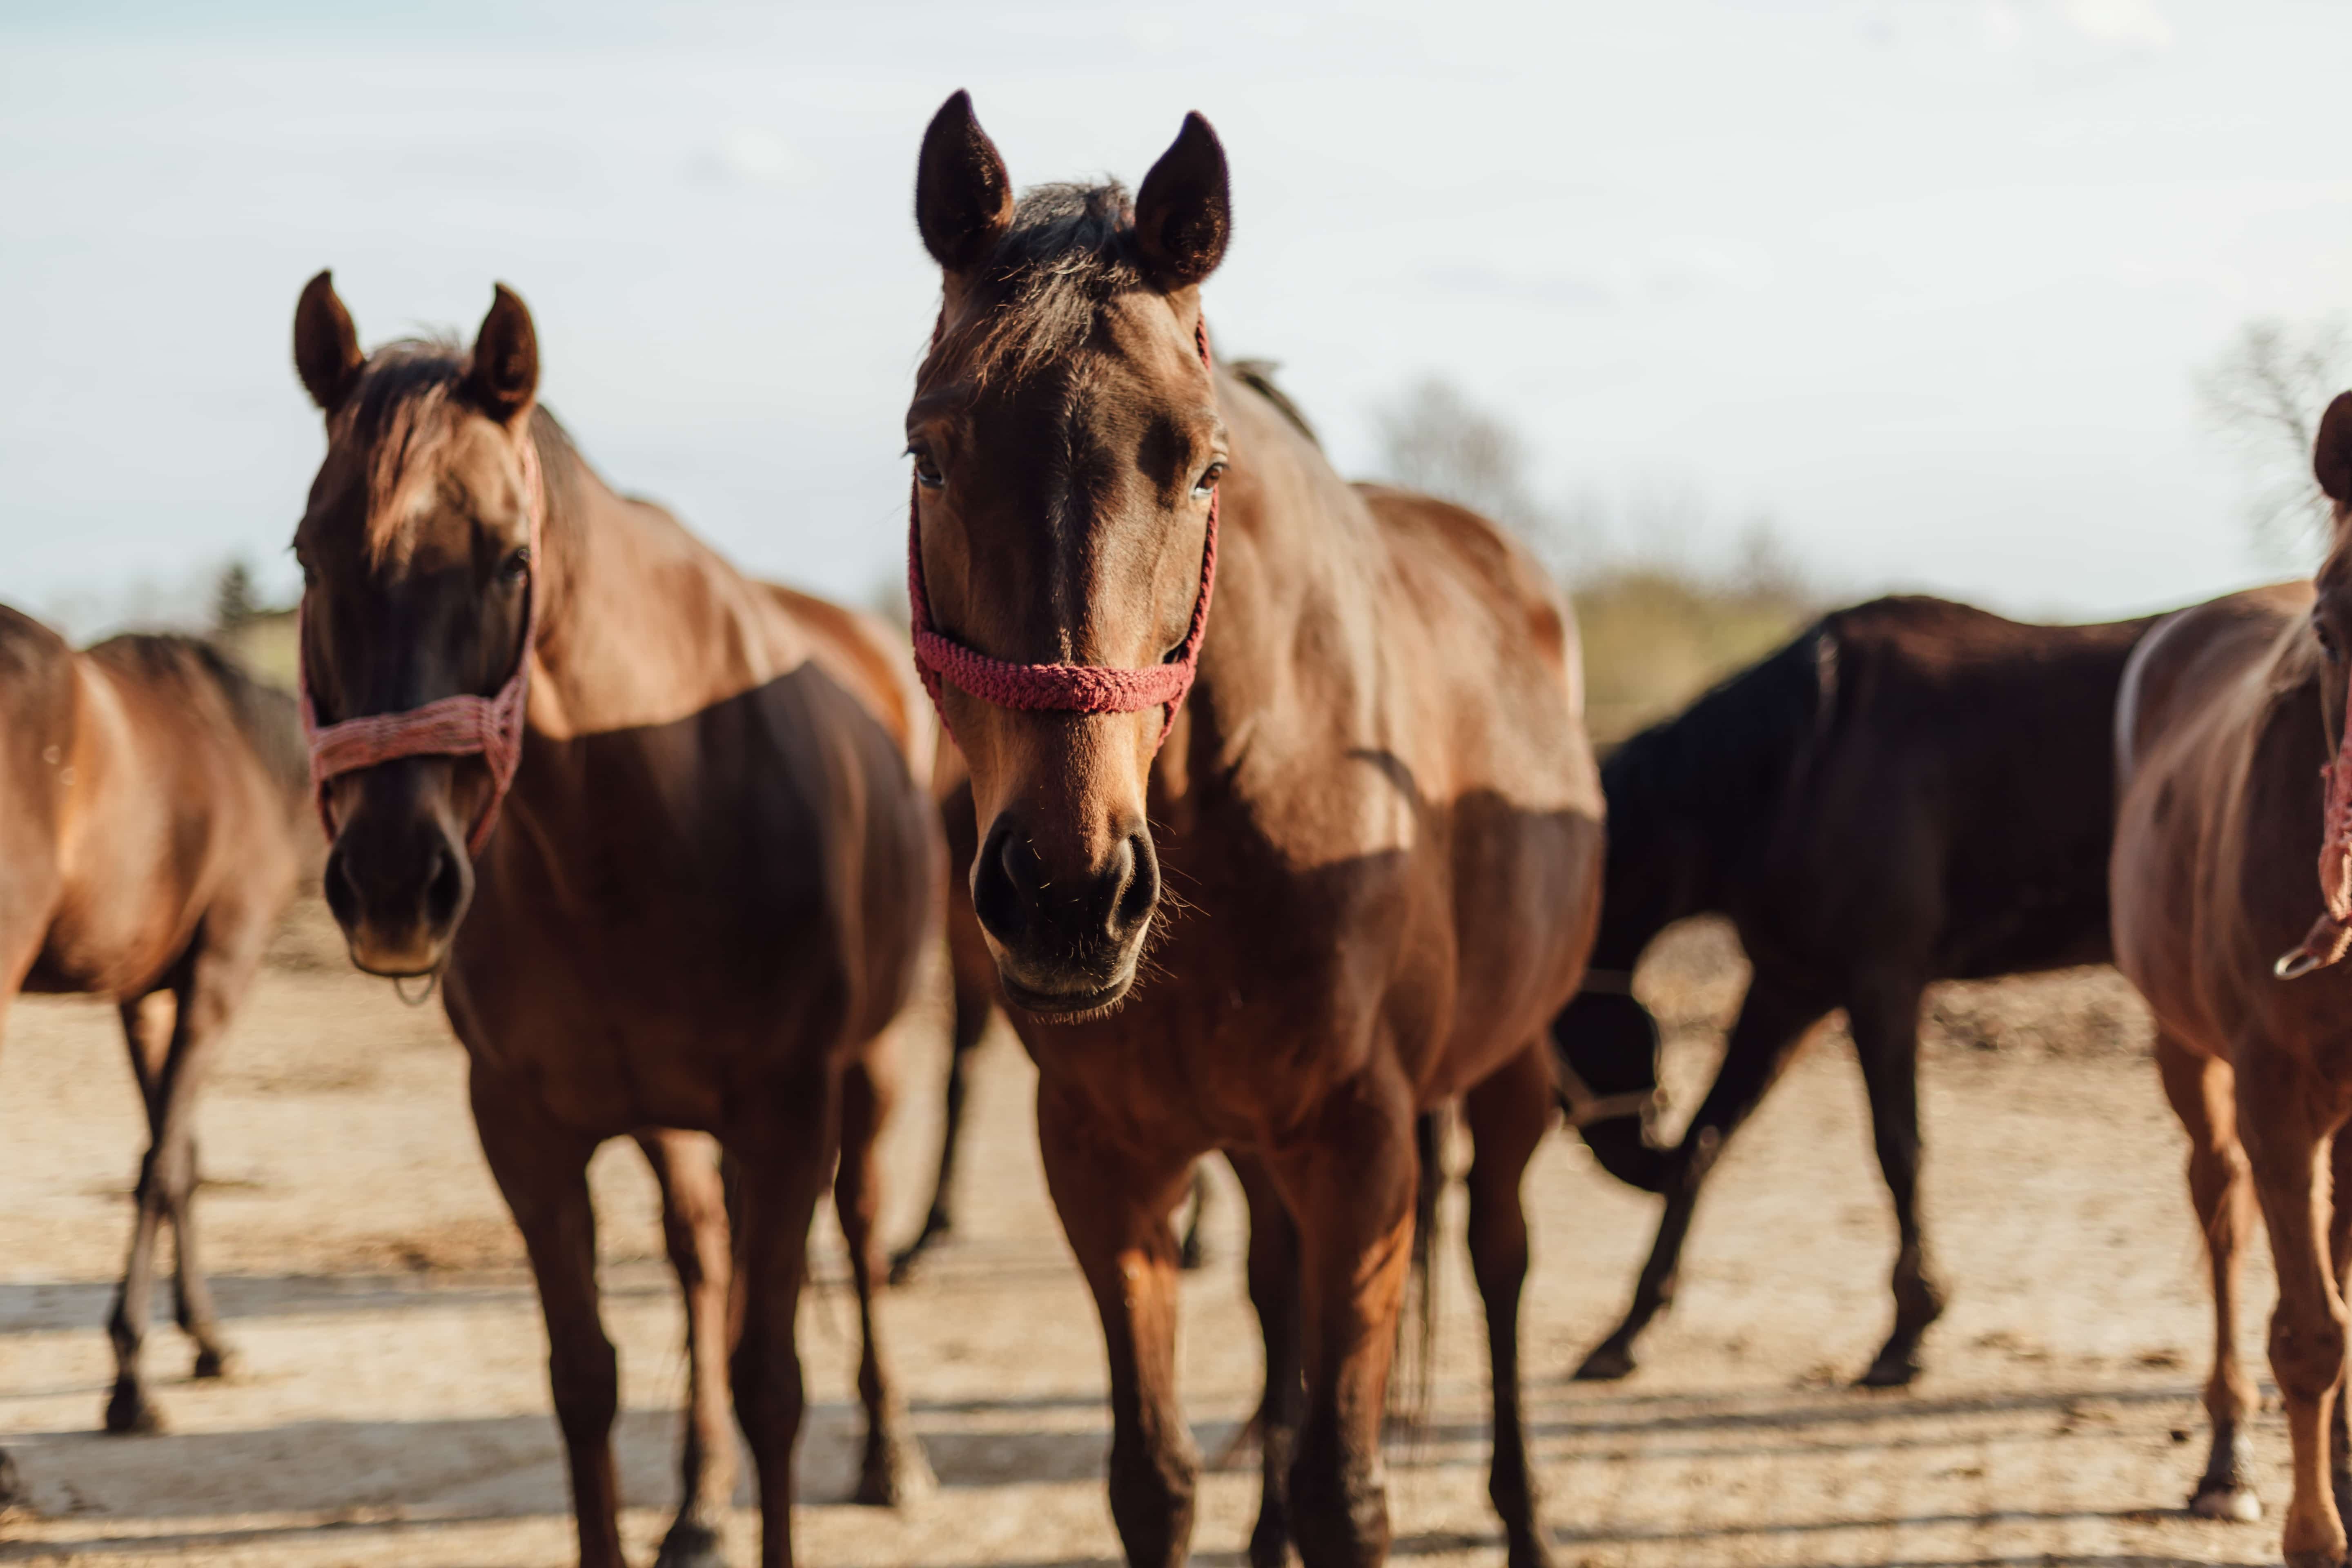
(463, 726)
(2331, 934)
(1058, 688)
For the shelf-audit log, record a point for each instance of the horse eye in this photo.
(1208, 481)
(927, 472)
(515, 567)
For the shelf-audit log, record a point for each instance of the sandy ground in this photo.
(392, 1408)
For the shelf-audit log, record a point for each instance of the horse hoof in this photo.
(128, 1413)
(1607, 1364)
(212, 1364)
(1890, 1371)
(2233, 1505)
(690, 1546)
(894, 1475)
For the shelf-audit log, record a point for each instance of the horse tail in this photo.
(1410, 1391)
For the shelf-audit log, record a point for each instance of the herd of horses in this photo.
(1259, 802)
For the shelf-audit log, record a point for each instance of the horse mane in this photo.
(1069, 250)
(395, 414)
(1257, 374)
(1717, 770)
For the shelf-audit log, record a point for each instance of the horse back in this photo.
(1970, 752)
(185, 807)
(870, 660)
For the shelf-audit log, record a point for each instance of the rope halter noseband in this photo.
(464, 726)
(1058, 688)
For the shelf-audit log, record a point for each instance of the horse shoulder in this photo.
(39, 698)
(2217, 824)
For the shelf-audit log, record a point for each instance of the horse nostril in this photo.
(343, 891)
(443, 893)
(1003, 868)
(1137, 890)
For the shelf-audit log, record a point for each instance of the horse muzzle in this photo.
(1066, 941)
(398, 887)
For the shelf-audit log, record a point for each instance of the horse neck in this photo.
(643, 624)
(1273, 571)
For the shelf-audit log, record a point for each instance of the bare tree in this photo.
(1435, 441)
(2263, 396)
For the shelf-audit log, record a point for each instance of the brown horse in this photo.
(2229, 712)
(155, 831)
(1911, 790)
(1377, 815)
(706, 896)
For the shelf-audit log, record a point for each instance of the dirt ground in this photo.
(392, 1406)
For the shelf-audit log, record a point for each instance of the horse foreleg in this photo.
(2285, 1119)
(2203, 1093)
(1273, 1293)
(1884, 1016)
(1115, 1212)
(1509, 1115)
(1352, 1185)
(541, 1169)
(783, 1147)
(893, 1470)
(1772, 1020)
(694, 1227)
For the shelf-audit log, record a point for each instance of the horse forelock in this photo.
(400, 425)
(1037, 298)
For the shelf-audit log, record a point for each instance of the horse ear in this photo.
(1184, 214)
(2331, 454)
(502, 378)
(963, 197)
(326, 345)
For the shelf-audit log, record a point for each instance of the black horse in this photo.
(1912, 790)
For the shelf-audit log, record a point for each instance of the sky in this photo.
(1922, 281)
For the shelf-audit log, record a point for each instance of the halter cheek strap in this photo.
(1058, 688)
(2331, 934)
(466, 726)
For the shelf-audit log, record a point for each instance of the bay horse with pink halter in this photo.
(663, 835)
(2236, 780)
(1342, 726)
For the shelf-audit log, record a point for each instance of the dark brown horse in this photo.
(1376, 815)
(1912, 790)
(156, 829)
(2229, 713)
(705, 898)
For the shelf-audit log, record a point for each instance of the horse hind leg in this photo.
(2203, 1095)
(212, 977)
(1509, 1115)
(975, 1010)
(147, 1025)
(694, 1227)
(1885, 1015)
(893, 1471)
(1273, 1293)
